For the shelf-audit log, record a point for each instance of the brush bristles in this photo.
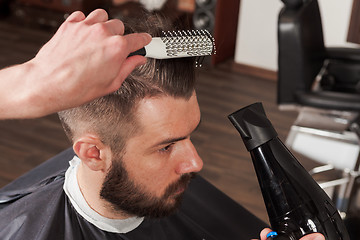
(192, 42)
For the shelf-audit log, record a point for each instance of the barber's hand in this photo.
(85, 59)
(313, 236)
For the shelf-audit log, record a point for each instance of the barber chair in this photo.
(323, 85)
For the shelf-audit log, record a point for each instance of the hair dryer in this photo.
(295, 203)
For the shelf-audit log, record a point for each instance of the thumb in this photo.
(313, 236)
(126, 68)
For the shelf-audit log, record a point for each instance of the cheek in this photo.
(155, 174)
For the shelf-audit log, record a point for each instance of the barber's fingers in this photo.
(135, 41)
(127, 67)
(313, 236)
(115, 26)
(96, 16)
(76, 17)
(264, 232)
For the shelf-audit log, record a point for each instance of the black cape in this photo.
(35, 206)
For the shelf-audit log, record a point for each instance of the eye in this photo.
(166, 148)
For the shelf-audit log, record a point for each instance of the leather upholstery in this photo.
(302, 55)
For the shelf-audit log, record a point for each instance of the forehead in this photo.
(165, 116)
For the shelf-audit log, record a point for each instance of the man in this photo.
(134, 160)
(134, 145)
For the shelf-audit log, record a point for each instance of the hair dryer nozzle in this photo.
(253, 125)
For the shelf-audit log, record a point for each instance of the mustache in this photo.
(183, 182)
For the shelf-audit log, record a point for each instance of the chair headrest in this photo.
(292, 3)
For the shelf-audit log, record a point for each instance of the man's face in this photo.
(151, 176)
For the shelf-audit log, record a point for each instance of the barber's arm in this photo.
(85, 59)
(313, 236)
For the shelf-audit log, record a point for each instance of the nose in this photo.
(190, 160)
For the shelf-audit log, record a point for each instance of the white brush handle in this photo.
(179, 45)
(156, 49)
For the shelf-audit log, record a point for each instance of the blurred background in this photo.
(243, 71)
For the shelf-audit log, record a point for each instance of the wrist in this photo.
(12, 95)
(21, 96)
(36, 85)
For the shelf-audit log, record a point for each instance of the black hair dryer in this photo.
(295, 203)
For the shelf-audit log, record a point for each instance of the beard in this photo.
(128, 197)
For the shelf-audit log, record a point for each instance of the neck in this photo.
(90, 183)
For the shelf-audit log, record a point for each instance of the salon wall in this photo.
(256, 43)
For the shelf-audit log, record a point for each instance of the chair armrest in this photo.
(346, 54)
(329, 100)
(342, 70)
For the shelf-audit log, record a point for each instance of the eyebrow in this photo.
(172, 140)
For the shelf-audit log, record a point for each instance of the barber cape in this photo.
(35, 206)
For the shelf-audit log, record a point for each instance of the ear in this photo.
(92, 152)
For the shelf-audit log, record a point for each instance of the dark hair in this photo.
(112, 118)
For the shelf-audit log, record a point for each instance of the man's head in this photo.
(137, 139)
